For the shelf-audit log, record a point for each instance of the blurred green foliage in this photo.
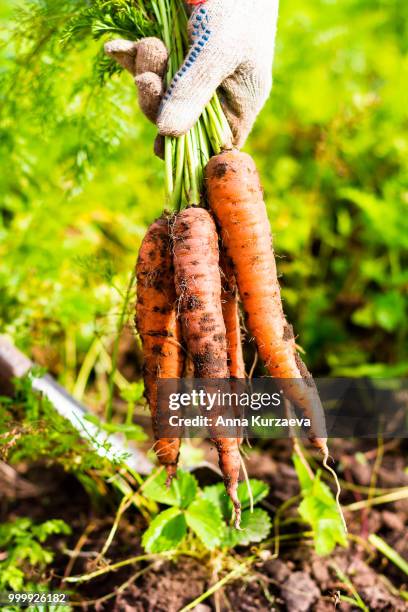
(27, 557)
(80, 183)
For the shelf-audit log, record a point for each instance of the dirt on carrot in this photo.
(198, 286)
(158, 327)
(230, 311)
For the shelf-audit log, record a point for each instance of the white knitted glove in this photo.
(232, 46)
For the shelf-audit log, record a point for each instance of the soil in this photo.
(296, 581)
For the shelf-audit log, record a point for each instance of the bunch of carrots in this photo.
(198, 265)
(190, 280)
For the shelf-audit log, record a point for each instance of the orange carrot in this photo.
(236, 198)
(198, 286)
(230, 311)
(158, 327)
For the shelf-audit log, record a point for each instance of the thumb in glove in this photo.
(146, 61)
(232, 47)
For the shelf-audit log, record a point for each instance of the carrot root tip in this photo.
(237, 516)
(237, 509)
(171, 473)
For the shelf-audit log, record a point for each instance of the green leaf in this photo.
(230, 537)
(323, 494)
(386, 310)
(12, 577)
(364, 316)
(17, 529)
(218, 496)
(133, 392)
(255, 528)
(54, 526)
(259, 491)
(130, 431)
(135, 432)
(389, 310)
(186, 487)
(204, 518)
(304, 477)
(329, 532)
(319, 509)
(165, 531)
(181, 493)
(34, 552)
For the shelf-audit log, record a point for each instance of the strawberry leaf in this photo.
(165, 532)
(204, 518)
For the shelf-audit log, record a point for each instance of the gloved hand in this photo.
(232, 46)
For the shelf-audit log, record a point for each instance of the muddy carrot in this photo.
(236, 198)
(198, 286)
(230, 311)
(158, 327)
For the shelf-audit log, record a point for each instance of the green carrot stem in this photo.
(194, 193)
(175, 199)
(168, 158)
(213, 129)
(200, 168)
(215, 122)
(164, 13)
(209, 131)
(226, 130)
(178, 17)
(185, 157)
(203, 143)
(187, 182)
